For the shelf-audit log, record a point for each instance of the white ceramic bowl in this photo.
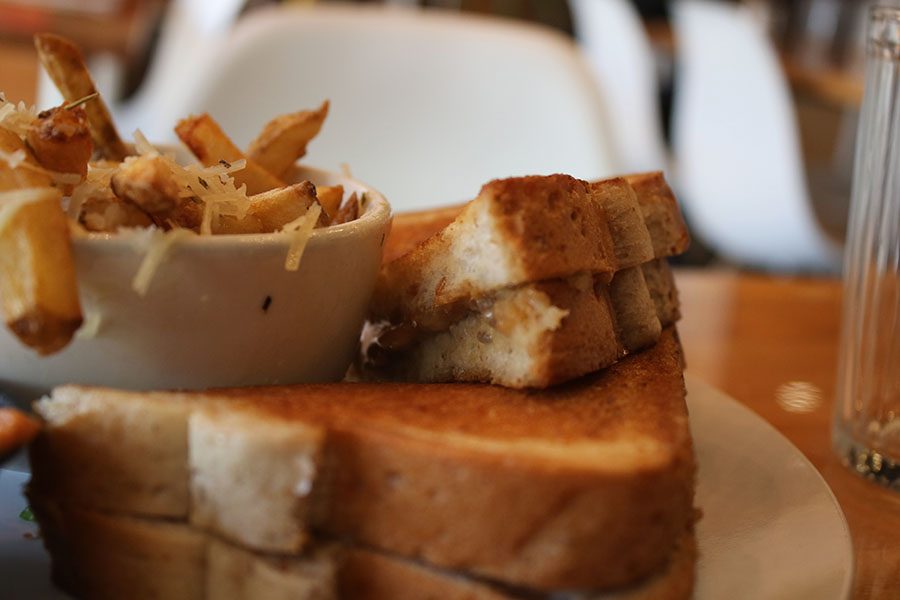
(220, 310)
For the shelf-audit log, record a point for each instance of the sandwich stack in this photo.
(537, 281)
(409, 489)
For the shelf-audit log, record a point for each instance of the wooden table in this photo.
(750, 335)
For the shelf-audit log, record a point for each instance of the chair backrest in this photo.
(190, 37)
(617, 46)
(426, 105)
(189, 31)
(740, 172)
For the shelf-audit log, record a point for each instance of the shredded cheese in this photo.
(212, 185)
(94, 187)
(142, 146)
(300, 229)
(158, 245)
(90, 327)
(13, 159)
(18, 118)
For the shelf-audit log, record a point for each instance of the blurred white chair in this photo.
(740, 172)
(425, 105)
(190, 35)
(615, 41)
(189, 40)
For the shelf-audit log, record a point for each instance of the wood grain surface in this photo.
(761, 339)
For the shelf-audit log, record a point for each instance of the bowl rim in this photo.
(376, 212)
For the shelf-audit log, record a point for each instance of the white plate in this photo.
(771, 528)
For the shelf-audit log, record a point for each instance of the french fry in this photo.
(147, 183)
(63, 62)
(210, 145)
(97, 208)
(284, 139)
(271, 210)
(61, 140)
(349, 211)
(330, 198)
(16, 429)
(38, 290)
(27, 173)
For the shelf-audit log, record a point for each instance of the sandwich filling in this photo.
(529, 335)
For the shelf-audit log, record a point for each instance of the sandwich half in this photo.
(586, 486)
(533, 336)
(668, 232)
(537, 281)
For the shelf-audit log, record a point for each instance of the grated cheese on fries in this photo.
(94, 187)
(212, 185)
(158, 245)
(17, 118)
(300, 230)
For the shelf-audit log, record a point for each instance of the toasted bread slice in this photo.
(538, 334)
(661, 283)
(435, 336)
(516, 231)
(409, 229)
(226, 447)
(594, 479)
(101, 557)
(104, 556)
(235, 573)
(77, 457)
(662, 217)
(635, 309)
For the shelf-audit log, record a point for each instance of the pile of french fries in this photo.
(68, 168)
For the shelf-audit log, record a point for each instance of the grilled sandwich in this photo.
(586, 486)
(537, 281)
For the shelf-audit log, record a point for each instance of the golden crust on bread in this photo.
(659, 206)
(75, 456)
(554, 226)
(104, 557)
(433, 316)
(661, 215)
(535, 335)
(100, 555)
(516, 231)
(601, 469)
(409, 229)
